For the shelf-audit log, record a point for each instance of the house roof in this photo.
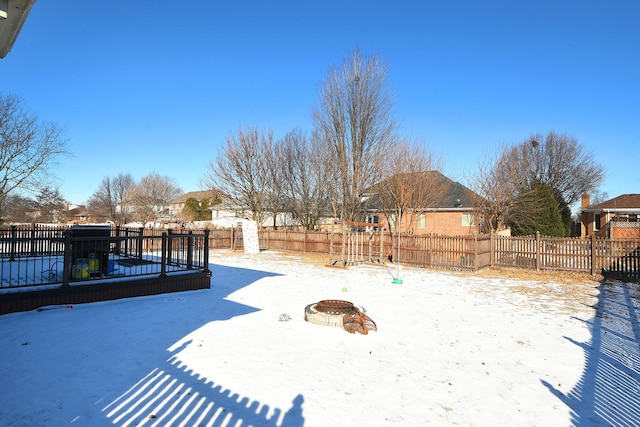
(622, 203)
(198, 195)
(13, 14)
(451, 196)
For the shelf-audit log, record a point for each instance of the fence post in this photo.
(169, 245)
(190, 250)
(537, 251)
(593, 254)
(141, 231)
(163, 256)
(32, 238)
(492, 249)
(12, 243)
(475, 251)
(206, 253)
(66, 258)
(116, 246)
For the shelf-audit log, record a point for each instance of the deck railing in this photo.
(37, 256)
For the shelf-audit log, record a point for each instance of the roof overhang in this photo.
(13, 14)
(613, 210)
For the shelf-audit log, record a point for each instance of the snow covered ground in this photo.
(450, 349)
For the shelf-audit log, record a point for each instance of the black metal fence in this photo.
(41, 255)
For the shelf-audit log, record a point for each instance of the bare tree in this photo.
(559, 161)
(354, 120)
(303, 179)
(152, 195)
(110, 197)
(18, 209)
(50, 205)
(498, 182)
(240, 171)
(413, 182)
(28, 148)
(274, 158)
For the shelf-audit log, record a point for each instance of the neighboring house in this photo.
(77, 215)
(616, 218)
(177, 205)
(129, 209)
(450, 210)
(222, 213)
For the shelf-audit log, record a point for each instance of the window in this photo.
(372, 219)
(422, 221)
(468, 220)
(596, 222)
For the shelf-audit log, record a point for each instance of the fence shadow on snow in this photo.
(607, 392)
(173, 394)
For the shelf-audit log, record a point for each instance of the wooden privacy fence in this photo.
(593, 255)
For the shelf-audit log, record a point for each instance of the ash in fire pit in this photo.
(339, 313)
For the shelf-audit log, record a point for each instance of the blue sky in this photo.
(157, 86)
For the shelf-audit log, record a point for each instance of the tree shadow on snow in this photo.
(608, 391)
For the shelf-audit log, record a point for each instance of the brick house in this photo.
(617, 218)
(450, 211)
(177, 205)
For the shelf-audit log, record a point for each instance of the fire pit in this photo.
(339, 313)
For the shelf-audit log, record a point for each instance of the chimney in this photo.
(586, 200)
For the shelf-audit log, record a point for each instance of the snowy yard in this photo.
(450, 349)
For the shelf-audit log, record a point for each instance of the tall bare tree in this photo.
(354, 120)
(151, 196)
(240, 171)
(274, 158)
(110, 197)
(28, 148)
(304, 179)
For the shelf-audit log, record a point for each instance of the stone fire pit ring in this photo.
(329, 312)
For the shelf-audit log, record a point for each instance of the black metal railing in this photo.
(80, 255)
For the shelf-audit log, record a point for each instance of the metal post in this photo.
(163, 256)
(206, 252)
(12, 243)
(169, 244)
(66, 258)
(190, 250)
(140, 242)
